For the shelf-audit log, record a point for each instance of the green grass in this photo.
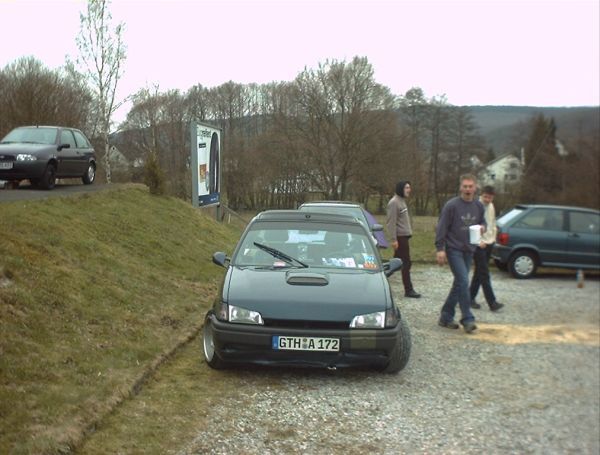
(93, 290)
(422, 247)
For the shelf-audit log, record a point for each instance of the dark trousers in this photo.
(481, 275)
(403, 252)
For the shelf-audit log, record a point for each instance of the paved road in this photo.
(26, 192)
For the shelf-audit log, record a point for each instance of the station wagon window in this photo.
(66, 137)
(546, 219)
(584, 223)
(81, 141)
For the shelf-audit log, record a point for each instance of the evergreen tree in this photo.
(542, 177)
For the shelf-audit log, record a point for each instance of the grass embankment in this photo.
(95, 291)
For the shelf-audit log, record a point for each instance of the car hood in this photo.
(306, 294)
(17, 147)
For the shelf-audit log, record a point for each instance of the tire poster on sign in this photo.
(206, 169)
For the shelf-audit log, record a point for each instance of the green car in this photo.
(530, 236)
(306, 289)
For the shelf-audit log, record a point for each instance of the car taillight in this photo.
(503, 238)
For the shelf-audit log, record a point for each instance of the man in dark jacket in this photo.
(400, 231)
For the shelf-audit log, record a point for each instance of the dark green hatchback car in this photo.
(306, 289)
(530, 236)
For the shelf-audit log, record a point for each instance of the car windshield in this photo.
(31, 135)
(508, 216)
(313, 245)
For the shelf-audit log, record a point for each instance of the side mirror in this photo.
(392, 266)
(63, 146)
(221, 259)
(376, 227)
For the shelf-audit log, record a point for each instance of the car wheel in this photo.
(401, 352)
(90, 175)
(522, 264)
(48, 179)
(208, 347)
(501, 265)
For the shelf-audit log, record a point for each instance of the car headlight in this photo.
(243, 316)
(377, 320)
(368, 321)
(26, 157)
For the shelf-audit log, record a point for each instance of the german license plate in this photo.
(6, 165)
(283, 343)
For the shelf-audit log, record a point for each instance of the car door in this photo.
(67, 156)
(84, 153)
(542, 228)
(584, 238)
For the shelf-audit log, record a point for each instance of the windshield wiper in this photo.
(280, 255)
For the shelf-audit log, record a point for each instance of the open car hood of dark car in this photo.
(326, 294)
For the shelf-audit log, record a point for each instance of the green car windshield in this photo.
(313, 245)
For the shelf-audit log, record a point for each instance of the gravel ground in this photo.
(527, 381)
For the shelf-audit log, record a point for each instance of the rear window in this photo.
(508, 216)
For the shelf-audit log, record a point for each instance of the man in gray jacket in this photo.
(400, 231)
(453, 246)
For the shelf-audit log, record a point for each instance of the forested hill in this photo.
(500, 124)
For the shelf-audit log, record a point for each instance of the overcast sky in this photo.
(482, 52)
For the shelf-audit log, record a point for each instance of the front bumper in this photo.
(241, 343)
(23, 170)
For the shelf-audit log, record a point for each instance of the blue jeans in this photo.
(460, 263)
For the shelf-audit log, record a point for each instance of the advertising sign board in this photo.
(206, 167)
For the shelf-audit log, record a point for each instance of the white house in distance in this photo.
(506, 170)
(503, 172)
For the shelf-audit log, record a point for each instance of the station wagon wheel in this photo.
(48, 179)
(90, 174)
(401, 353)
(208, 345)
(522, 264)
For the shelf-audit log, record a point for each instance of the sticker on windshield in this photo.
(340, 262)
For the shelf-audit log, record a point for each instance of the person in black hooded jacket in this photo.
(400, 231)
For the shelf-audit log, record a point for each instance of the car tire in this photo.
(48, 179)
(522, 264)
(90, 175)
(208, 346)
(401, 352)
(501, 265)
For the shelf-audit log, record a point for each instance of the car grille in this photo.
(303, 324)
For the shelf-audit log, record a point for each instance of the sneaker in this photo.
(469, 326)
(475, 305)
(448, 325)
(413, 294)
(496, 306)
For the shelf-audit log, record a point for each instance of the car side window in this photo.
(66, 137)
(547, 219)
(584, 223)
(81, 141)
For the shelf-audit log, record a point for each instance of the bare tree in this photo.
(102, 53)
(31, 94)
(342, 112)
